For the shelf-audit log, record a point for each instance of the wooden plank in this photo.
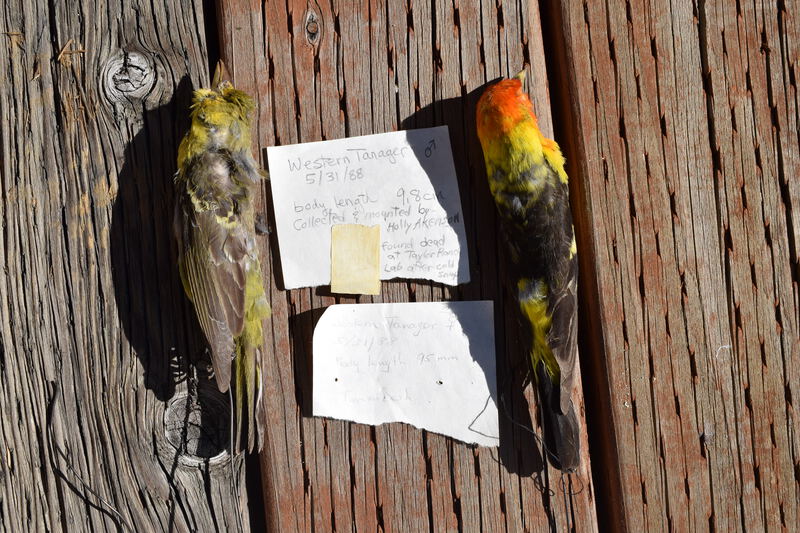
(334, 69)
(685, 133)
(94, 328)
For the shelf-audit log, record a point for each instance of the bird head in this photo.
(502, 106)
(221, 105)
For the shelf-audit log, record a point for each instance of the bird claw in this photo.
(262, 226)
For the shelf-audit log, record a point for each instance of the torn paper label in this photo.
(404, 181)
(431, 365)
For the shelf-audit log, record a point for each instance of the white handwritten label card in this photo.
(427, 364)
(405, 181)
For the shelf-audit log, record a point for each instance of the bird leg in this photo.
(262, 226)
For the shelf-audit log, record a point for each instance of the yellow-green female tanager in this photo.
(527, 179)
(216, 182)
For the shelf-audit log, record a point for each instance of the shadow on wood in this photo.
(268, 217)
(302, 327)
(146, 282)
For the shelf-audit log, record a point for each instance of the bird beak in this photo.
(521, 76)
(220, 75)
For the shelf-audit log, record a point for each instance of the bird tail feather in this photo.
(248, 403)
(249, 430)
(561, 430)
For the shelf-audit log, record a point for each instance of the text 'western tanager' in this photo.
(216, 182)
(527, 179)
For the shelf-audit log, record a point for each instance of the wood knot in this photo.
(313, 28)
(128, 75)
(197, 425)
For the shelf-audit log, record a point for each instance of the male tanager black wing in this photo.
(529, 185)
(218, 259)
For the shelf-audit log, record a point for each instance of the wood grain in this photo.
(325, 70)
(95, 333)
(680, 123)
(686, 142)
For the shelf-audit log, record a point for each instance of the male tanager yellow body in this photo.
(218, 259)
(529, 185)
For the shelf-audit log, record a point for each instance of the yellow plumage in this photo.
(218, 259)
(535, 311)
(529, 184)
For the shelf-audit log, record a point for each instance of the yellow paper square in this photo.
(355, 259)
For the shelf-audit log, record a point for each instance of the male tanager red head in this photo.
(218, 259)
(529, 185)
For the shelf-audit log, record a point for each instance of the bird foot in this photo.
(262, 226)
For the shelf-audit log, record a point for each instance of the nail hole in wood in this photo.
(313, 28)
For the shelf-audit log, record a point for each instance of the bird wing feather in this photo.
(562, 337)
(213, 257)
(539, 231)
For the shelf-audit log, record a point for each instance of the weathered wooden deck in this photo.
(680, 126)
